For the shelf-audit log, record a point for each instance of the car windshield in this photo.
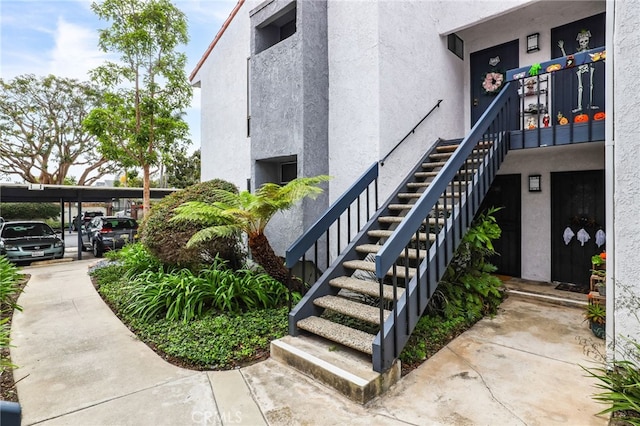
(120, 224)
(21, 230)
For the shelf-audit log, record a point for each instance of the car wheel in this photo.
(96, 250)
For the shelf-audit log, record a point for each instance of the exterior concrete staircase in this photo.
(343, 323)
(350, 327)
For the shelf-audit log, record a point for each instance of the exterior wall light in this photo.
(534, 183)
(532, 42)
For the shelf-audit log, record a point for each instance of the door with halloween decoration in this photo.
(577, 214)
(487, 68)
(580, 91)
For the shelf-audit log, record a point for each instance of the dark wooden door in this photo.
(568, 98)
(481, 63)
(577, 206)
(505, 192)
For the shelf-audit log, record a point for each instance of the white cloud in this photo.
(75, 51)
(206, 11)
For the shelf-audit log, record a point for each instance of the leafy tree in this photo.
(141, 117)
(250, 213)
(29, 211)
(183, 170)
(41, 134)
(167, 240)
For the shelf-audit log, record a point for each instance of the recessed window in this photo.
(456, 45)
(280, 170)
(288, 172)
(279, 27)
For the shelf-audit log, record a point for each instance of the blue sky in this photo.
(60, 37)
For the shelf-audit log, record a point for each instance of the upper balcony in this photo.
(561, 101)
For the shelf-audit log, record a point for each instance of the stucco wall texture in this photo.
(225, 147)
(626, 47)
(289, 104)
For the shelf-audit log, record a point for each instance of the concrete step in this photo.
(425, 175)
(346, 336)
(347, 371)
(370, 288)
(409, 195)
(370, 314)
(375, 248)
(400, 207)
(544, 293)
(426, 184)
(447, 148)
(398, 219)
(363, 265)
(440, 155)
(433, 164)
(383, 233)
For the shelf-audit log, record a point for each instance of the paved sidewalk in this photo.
(79, 365)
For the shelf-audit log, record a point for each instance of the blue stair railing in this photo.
(449, 196)
(343, 220)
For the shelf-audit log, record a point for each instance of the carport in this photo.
(37, 193)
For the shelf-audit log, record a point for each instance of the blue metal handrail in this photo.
(394, 246)
(412, 131)
(493, 128)
(306, 240)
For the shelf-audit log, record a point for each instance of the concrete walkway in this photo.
(79, 365)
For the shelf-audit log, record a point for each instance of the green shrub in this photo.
(430, 335)
(29, 211)
(135, 259)
(9, 288)
(181, 295)
(467, 288)
(9, 279)
(620, 384)
(167, 240)
(217, 341)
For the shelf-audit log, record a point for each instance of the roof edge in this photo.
(216, 39)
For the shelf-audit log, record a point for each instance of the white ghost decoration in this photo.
(568, 235)
(583, 236)
(600, 238)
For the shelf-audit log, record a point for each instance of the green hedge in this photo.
(167, 240)
(29, 211)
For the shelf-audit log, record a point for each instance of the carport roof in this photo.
(20, 193)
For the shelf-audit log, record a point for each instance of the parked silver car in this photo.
(29, 241)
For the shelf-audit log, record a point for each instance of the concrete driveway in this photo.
(79, 365)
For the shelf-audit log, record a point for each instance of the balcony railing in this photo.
(561, 101)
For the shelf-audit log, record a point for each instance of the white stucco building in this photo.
(299, 88)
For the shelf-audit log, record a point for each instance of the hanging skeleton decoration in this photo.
(582, 38)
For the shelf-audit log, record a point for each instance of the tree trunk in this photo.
(146, 193)
(273, 265)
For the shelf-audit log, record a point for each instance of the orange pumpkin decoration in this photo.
(581, 118)
(599, 116)
(564, 121)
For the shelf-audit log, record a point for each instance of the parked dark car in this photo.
(104, 233)
(28, 241)
(86, 218)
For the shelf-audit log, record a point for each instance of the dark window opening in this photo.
(279, 27)
(280, 170)
(288, 172)
(456, 45)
